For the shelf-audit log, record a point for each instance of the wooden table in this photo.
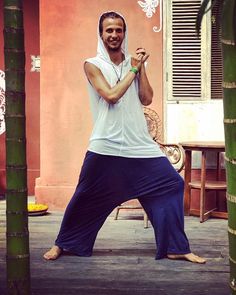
(202, 184)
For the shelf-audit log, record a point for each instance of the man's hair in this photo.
(109, 14)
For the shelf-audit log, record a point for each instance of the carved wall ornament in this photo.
(35, 63)
(2, 102)
(149, 7)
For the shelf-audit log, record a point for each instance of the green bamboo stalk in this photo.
(229, 87)
(18, 260)
(228, 26)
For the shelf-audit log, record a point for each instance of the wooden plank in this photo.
(123, 262)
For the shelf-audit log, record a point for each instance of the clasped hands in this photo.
(139, 58)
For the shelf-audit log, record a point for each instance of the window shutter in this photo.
(216, 55)
(186, 51)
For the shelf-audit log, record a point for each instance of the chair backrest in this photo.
(174, 152)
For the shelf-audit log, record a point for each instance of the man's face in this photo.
(113, 33)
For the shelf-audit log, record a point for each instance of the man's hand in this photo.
(141, 52)
(140, 57)
(136, 62)
(145, 89)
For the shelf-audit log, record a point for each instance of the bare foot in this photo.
(189, 257)
(53, 253)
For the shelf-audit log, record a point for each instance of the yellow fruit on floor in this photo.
(37, 207)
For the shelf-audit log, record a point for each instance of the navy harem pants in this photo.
(106, 182)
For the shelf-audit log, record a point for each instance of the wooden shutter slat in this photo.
(186, 50)
(187, 56)
(216, 57)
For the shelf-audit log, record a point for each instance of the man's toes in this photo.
(189, 257)
(53, 253)
(194, 258)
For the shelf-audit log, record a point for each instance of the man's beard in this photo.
(114, 49)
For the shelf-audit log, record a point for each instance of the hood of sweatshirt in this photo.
(101, 49)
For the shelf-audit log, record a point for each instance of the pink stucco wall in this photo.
(31, 27)
(68, 35)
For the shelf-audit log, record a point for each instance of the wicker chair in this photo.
(174, 152)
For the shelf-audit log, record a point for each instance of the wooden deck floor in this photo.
(123, 262)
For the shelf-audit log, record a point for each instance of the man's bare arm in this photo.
(145, 89)
(110, 94)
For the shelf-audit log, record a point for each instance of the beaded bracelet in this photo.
(134, 70)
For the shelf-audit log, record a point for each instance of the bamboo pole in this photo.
(229, 87)
(18, 260)
(228, 26)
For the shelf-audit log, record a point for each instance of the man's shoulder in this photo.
(94, 60)
(91, 58)
(97, 61)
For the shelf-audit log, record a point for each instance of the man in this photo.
(122, 162)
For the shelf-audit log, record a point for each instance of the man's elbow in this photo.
(146, 100)
(111, 99)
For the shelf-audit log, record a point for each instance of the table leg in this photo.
(187, 179)
(202, 191)
(218, 176)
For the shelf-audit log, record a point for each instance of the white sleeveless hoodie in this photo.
(120, 129)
